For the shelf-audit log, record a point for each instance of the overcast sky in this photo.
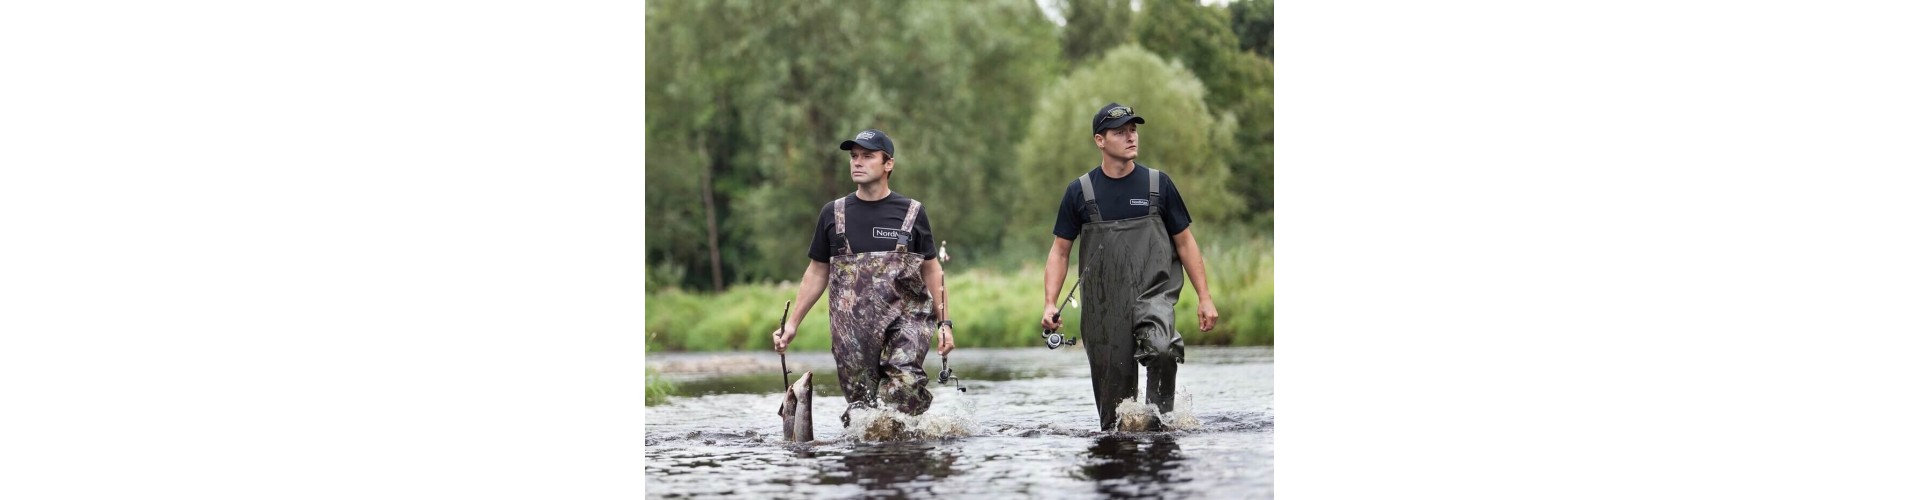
(1052, 10)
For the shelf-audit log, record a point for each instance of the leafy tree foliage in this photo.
(1239, 84)
(1253, 23)
(1093, 26)
(755, 97)
(748, 101)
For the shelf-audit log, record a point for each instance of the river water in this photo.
(1025, 426)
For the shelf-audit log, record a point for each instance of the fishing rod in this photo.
(784, 372)
(1053, 337)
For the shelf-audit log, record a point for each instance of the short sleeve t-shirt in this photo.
(872, 226)
(1123, 198)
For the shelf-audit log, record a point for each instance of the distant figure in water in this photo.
(873, 253)
(1134, 242)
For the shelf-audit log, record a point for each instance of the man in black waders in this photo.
(873, 251)
(1134, 242)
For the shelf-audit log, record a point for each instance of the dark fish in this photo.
(796, 412)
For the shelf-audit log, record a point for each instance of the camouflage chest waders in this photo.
(1131, 278)
(881, 317)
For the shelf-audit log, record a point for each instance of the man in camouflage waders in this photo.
(1134, 243)
(873, 253)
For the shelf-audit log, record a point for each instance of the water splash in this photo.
(1134, 416)
(1182, 416)
(887, 424)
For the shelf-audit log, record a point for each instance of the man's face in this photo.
(1122, 142)
(867, 165)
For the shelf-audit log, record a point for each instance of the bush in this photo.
(990, 307)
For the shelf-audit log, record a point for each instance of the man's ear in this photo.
(1099, 140)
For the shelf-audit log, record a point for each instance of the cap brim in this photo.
(1117, 122)
(848, 145)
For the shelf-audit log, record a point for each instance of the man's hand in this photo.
(1049, 319)
(1207, 315)
(780, 341)
(946, 340)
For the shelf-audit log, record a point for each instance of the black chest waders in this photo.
(1131, 278)
(881, 317)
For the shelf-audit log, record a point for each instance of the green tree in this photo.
(965, 105)
(1093, 26)
(1239, 84)
(735, 82)
(1199, 37)
(1253, 24)
(748, 102)
(1179, 138)
(689, 115)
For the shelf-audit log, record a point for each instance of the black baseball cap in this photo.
(872, 139)
(1113, 115)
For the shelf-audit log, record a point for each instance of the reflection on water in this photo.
(1031, 431)
(890, 469)
(1133, 465)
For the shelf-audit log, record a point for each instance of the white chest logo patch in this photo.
(1137, 202)
(888, 234)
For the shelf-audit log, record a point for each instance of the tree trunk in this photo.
(713, 225)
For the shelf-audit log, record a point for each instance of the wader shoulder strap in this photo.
(840, 216)
(1086, 193)
(906, 228)
(840, 225)
(1153, 190)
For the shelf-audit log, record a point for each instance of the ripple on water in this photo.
(1030, 435)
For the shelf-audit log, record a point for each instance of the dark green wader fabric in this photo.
(880, 314)
(1131, 278)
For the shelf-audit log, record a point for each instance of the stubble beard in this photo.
(872, 180)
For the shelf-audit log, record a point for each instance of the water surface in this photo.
(1034, 432)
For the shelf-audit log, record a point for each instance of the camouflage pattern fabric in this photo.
(882, 321)
(881, 317)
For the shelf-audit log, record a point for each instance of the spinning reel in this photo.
(1053, 337)
(946, 374)
(1054, 340)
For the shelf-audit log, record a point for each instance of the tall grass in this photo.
(990, 307)
(658, 389)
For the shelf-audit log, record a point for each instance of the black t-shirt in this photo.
(1123, 198)
(872, 226)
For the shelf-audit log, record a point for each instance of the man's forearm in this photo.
(1190, 260)
(1056, 270)
(936, 279)
(812, 283)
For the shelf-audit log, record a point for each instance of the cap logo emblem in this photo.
(864, 136)
(1119, 112)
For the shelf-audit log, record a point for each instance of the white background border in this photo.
(393, 250)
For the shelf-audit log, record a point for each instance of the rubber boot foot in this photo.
(1160, 379)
